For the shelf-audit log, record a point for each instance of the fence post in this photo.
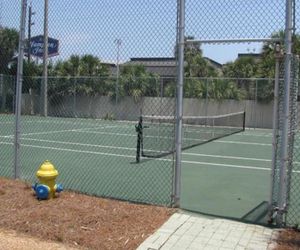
(256, 93)
(179, 100)
(275, 135)
(286, 111)
(45, 62)
(2, 93)
(19, 88)
(74, 96)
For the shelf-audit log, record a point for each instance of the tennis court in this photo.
(228, 177)
(92, 156)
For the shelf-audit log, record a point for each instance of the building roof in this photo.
(153, 61)
(213, 62)
(164, 66)
(254, 55)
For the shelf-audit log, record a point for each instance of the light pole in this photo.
(30, 23)
(118, 43)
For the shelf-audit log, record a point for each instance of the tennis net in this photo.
(157, 133)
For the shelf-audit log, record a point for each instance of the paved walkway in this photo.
(185, 231)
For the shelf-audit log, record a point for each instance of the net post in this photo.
(139, 130)
(244, 120)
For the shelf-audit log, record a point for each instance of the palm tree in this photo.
(242, 69)
(84, 75)
(135, 81)
(195, 64)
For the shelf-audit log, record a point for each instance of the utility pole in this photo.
(30, 23)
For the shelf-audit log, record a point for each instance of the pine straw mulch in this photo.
(78, 220)
(288, 240)
(88, 222)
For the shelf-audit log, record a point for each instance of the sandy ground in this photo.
(11, 240)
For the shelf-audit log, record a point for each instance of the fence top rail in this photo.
(232, 78)
(238, 40)
(198, 78)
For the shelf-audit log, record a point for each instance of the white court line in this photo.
(126, 148)
(6, 122)
(7, 136)
(254, 135)
(78, 121)
(73, 150)
(226, 165)
(132, 135)
(107, 133)
(228, 157)
(78, 144)
(231, 166)
(87, 123)
(81, 130)
(244, 143)
(159, 159)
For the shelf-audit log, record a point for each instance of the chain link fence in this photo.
(7, 121)
(91, 138)
(286, 172)
(261, 20)
(293, 210)
(234, 19)
(97, 89)
(111, 63)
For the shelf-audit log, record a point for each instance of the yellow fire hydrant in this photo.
(47, 187)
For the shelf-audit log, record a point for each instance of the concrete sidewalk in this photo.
(190, 231)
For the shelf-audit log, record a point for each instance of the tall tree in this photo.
(31, 71)
(135, 81)
(195, 64)
(242, 69)
(80, 74)
(267, 62)
(86, 65)
(8, 47)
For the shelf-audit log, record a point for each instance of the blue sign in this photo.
(37, 46)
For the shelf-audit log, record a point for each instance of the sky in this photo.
(147, 28)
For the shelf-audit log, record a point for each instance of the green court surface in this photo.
(229, 177)
(92, 156)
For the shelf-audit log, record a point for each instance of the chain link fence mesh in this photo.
(291, 217)
(97, 87)
(234, 19)
(278, 137)
(116, 61)
(7, 120)
(293, 210)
